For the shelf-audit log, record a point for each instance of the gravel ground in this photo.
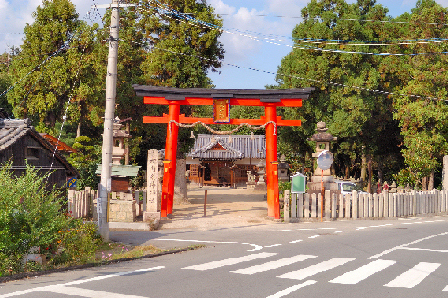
(226, 207)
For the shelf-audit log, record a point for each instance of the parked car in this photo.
(347, 187)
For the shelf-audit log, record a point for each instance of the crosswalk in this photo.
(407, 279)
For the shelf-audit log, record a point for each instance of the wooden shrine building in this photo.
(221, 100)
(225, 159)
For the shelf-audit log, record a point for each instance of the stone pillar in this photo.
(180, 184)
(152, 181)
(445, 173)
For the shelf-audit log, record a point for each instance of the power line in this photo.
(305, 79)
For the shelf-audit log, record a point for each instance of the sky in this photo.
(261, 17)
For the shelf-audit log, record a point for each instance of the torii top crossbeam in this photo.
(222, 99)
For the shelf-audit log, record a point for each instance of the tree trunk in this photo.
(363, 169)
(347, 172)
(425, 183)
(380, 172)
(78, 130)
(369, 184)
(431, 181)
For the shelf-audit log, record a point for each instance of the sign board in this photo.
(71, 183)
(221, 111)
(298, 183)
(325, 160)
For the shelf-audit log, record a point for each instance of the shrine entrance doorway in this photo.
(221, 100)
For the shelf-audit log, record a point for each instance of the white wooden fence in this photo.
(82, 203)
(364, 206)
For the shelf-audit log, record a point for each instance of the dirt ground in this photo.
(226, 207)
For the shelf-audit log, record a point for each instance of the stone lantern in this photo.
(119, 150)
(323, 140)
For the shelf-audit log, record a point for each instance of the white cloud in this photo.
(249, 31)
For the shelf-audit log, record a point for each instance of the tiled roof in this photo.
(121, 170)
(240, 146)
(12, 130)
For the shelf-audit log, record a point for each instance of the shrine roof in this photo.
(264, 95)
(218, 147)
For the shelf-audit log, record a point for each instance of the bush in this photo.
(31, 216)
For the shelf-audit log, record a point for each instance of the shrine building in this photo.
(224, 160)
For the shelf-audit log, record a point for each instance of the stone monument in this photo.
(153, 187)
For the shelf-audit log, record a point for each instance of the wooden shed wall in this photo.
(28, 150)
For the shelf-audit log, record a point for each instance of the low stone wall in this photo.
(122, 210)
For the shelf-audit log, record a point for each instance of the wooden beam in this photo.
(190, 120)
(196, 101)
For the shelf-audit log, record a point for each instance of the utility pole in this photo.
(106, 163)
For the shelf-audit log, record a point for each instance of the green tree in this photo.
(55, 67)
(422, 119)
(159, 47)
(351, 113)
(86, 160)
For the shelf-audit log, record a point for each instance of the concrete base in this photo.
(260, 186)
(132, 226)
(150, 216)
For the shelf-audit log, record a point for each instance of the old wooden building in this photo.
(225, 160)
(21, 144)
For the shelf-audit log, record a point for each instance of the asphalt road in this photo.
(394, 258)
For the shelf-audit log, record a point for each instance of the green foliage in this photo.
(59, 57)
(357, 117)
(77, 244)
(86, 161)
(31, 216)
(406, 177)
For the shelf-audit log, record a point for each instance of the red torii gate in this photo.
(221, 99)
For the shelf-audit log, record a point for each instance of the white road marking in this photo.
(423, 249)
(296, 241)
(429, 221)
(292, 289)
(361, 228)
(355, 276)
(338, 231)
(413, 276)
(77, 282)
(196, 241)
(273, 245)
(404, 245)
(230, 261)
(306, 229)
(256, 247)
(445, 289)
(273, 264)
(312, 237)
(314, 269)
(327, 228)
(72, 291)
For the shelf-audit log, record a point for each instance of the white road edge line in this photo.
(292, 289)
(77, 282)
(404, 245)
(196, 241)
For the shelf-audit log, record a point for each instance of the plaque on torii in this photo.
(221, 100)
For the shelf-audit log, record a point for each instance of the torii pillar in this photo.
(221, 99)
(271, 161)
